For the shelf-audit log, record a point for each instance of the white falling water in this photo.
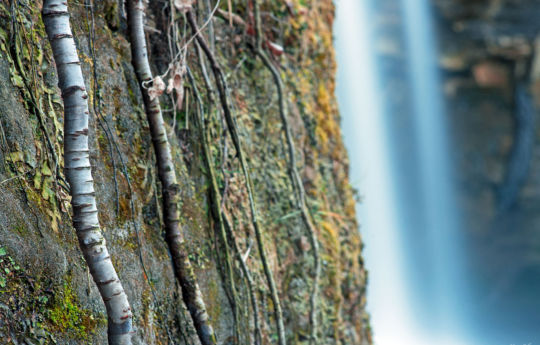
(365, 132)
(390, 290)
(441, 220)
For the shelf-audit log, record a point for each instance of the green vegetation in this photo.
(66, 315)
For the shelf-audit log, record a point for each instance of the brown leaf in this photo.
(176, 83)
(157, 88)
(275, 48)
(183, 5)
(179, 98)
(170, 85)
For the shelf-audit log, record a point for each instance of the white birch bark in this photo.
(78, 172)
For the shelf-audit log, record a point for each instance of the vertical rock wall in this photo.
(46, 294)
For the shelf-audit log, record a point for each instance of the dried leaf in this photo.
(170, 85)
(157, 88)
(276, 49)
(183, 5)
(176, 83)
(179, 97)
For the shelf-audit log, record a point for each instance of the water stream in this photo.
(417, 289)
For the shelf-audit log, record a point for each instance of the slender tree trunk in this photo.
(79, 172)
(170, 189)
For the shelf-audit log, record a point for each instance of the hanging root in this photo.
(216, 210)
(294, 176)
(214, 205)
(170, 189)
(249, 281)
(217, 213)
(222, 91)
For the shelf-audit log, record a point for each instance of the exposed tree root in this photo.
(222, 91)
(294, 176)
(216, 204)
(215, 211)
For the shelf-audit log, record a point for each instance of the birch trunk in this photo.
(78, 172)
(171, 197)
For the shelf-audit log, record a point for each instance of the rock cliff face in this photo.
(46, 293)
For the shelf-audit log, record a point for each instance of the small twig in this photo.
(202, 66)
(246, 255)
(238, 65)
(210, 26)
(231, 17)
(151, 29)
(229, 7)
(183, 49)
(16, 177)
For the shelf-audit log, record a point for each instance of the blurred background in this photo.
(439, 102)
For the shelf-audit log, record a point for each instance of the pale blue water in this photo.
(418, 292)
(441, 223)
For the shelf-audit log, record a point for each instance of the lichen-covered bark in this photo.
(170, 189)
(78, 170)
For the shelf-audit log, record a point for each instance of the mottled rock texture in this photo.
(46, 294)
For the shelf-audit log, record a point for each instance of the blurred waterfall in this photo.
(439, 219)
(408, 216)
(367, 140)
